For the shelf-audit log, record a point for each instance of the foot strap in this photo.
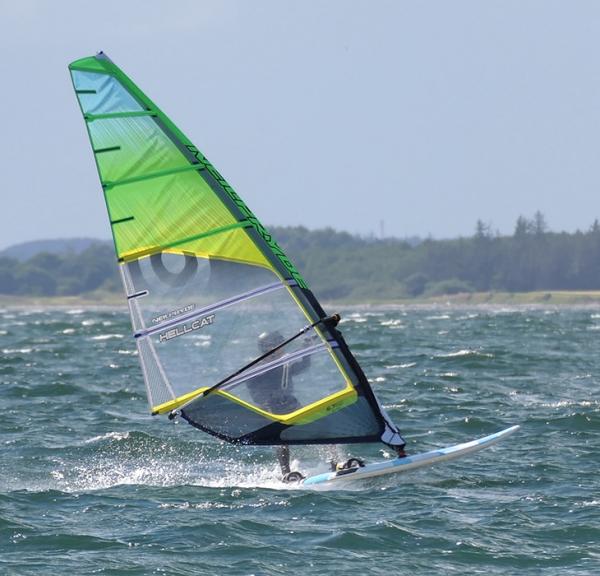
(350, 463)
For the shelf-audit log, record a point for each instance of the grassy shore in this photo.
(548, 298)
(552, 298)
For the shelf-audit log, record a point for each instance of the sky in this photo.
(370, 116)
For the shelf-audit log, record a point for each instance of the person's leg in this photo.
(333, 454)
(283, 457)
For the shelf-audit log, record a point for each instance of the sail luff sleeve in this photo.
(196, 263)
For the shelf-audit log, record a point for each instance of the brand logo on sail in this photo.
(185, 328)
(173, 313)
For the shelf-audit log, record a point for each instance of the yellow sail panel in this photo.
(230, 243)
(304, 415)
(164, 211)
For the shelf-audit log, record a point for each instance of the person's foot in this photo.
(292, 477)
(400, 453)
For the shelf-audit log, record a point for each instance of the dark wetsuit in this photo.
(274, 390)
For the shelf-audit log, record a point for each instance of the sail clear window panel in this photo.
(176, 285)
(202, 351)
(109, 96)
(143, 148)
(285, 389)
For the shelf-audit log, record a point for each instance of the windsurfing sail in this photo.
(210, 291)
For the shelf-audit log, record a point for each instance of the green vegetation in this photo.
(342, 267)
(66, 274)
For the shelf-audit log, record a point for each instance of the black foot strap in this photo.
(293, 477)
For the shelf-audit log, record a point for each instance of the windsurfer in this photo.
(274, 391)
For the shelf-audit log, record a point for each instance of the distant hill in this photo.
(26, 250)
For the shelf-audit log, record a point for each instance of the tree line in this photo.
(338, 265)
(66, 274)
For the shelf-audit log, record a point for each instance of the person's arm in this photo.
(299, 366)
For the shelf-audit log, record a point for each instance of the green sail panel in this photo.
(209, 290)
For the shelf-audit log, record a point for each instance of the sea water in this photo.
(90, 483)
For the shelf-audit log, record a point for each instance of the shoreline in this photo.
(471, 299)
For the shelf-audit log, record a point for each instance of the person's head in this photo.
(268, 340)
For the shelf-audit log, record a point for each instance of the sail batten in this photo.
(107, 149)
(157, 174)
(113, 115)
(210, 292)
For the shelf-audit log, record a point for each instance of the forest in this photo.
(342, 266)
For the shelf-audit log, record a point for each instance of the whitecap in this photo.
(468, 316)
(464, 353)
(108, 436)
(214, 505)
(17, 350)
(569, 403)
(397, 405)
